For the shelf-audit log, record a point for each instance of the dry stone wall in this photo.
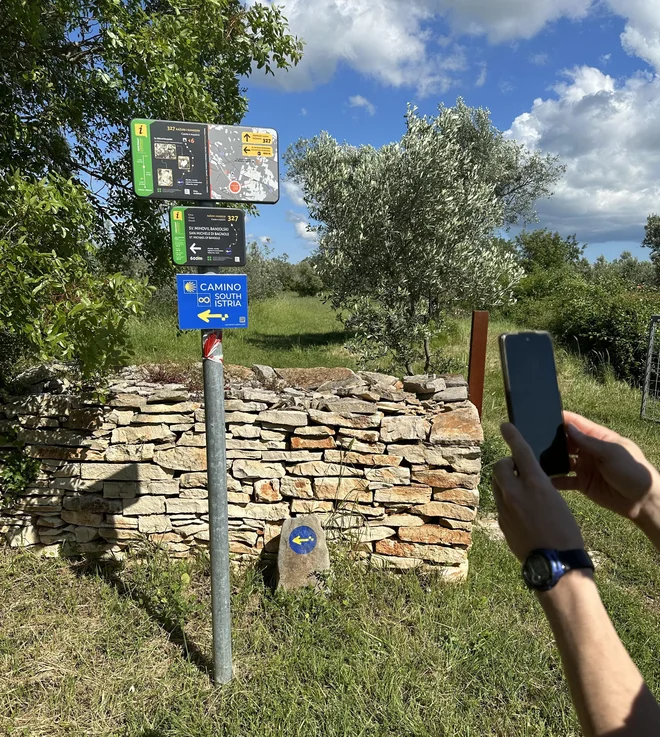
(390, 466)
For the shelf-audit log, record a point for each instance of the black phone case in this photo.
(507, 393)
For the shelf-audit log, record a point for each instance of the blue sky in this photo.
(577, 78)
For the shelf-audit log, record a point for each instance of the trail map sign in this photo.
(212, 301)
(207, 236)
(199, 161)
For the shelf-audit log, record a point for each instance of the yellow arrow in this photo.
(206, 316)
(300, 540)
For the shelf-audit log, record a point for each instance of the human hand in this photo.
(532, 513)
(610, 470)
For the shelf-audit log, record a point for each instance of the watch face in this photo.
(537, 571)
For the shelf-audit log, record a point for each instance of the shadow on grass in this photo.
(296, 340)
(110, 572)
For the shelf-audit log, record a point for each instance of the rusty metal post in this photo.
(477, 370)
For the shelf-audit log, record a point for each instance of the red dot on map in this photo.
(234, 187)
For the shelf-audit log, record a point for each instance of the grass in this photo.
(286, 331)
(94, 651)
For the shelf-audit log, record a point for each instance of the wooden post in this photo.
(477, 370)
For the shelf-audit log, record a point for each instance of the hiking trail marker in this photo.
(200, 161)
(207, 236)
(212, 301)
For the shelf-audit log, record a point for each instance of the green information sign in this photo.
(207, 236)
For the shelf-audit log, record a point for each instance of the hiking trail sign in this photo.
(201, 161)
(207, 236)
(212, 301)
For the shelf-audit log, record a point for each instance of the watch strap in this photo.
(571, 559)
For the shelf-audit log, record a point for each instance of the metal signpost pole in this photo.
(179, 160)
(216, 453)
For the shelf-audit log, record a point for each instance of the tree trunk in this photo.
(427, 354)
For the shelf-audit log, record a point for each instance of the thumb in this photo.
(598, 448)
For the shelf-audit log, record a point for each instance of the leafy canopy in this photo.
(407, 231)
(76, 71)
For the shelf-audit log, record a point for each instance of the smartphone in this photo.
(533, 399)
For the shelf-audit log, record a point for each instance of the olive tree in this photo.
(407, 232)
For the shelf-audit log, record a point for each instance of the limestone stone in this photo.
(233, 497)
(438, 478)
(347, 405)
(244, 444)
(301, 559)
(360, 459)
(390, 561)
(269, 512)
(163, 488)
(238, 405)
(182, 407)
(457, 427)
(274, 436)
(372, 378)
(418, 454)
(286, 419)
(88, 519)
(192, 529)
(168, 396)
(445, 509)
(80, 418)
(185, 427)
(120, 489)
(356, 422)
(466, 497)
(55, 436)
(50, 521)
(310, 506)
(267, 490)
(62, 454)
(192, 440)
(248, 394)
(272, 537)
(187, 506)
(372, 534)
(452, 394)
(246, 455)
(315, 378)
(92, 503)
(182, 459)
(193, 480)
(120, 417)
(120, 522)
(366, 436)
(388, 475)
(357, 446)
(129, 435)
(23, 537)
(456, 524)
(86, 534)
(296, 487)
(394, 429)
(314, 431)
(413, 494)
(124, 472)
(240, 418)
(319, 468)
(243, 536)
(401, 520)
(255, 470)
(129, 453)
(154, 523)
(454, 574)
(174, 419)
(433, 553)
(423, 384)
(144, 505)
(305, 443)
(342, 489)
(248, 432)
(130, 401)
(434, 535)
(463, 460)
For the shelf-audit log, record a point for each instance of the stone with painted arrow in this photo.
(303, 555)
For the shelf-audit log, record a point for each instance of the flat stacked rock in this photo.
(390, 466)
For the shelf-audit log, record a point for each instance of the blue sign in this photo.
(212, 301)
(302, 540)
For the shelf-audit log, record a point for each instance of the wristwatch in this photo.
(543, 568)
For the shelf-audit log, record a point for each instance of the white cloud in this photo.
(300, 224)
(540, 59)
(264, 239)
(483, 75)
(294, 192)
(359, 101)
(607, 135)
(303, 111)
(641, 36)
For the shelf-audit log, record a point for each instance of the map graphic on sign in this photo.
(212, 301)
(200, 161)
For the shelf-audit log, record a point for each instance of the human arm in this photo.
(613, 471)
(607, 689)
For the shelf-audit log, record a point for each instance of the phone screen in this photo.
(533, 398)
